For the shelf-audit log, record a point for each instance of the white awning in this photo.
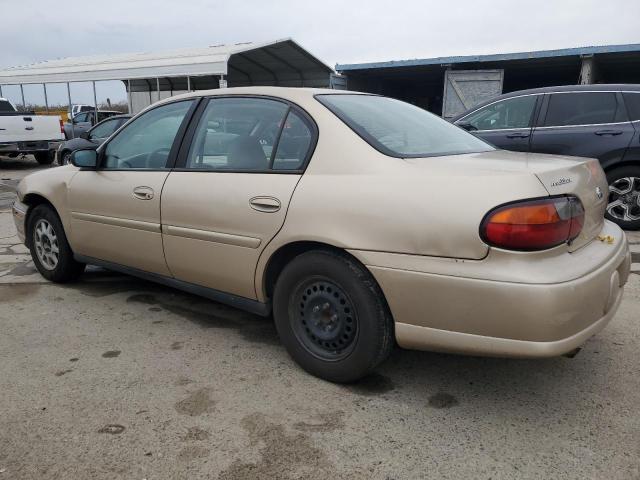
(278, 62)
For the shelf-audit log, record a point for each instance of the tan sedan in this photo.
(358, 220)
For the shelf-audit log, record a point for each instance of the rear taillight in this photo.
(61, 125)
(534, 224)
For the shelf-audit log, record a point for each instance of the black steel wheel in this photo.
(331, 316)
(324, 319)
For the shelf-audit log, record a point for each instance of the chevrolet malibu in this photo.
(358, 221)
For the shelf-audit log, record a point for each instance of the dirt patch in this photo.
(442, 400)
(111, 354)
(60, 373)
(323, 422)
(112, 429)
(195, 404)
(23, 269)
(176, 346)
(282, 455)
(373, 384)
(191, 452)
(17, 293)
(210, 314)
(196, 434)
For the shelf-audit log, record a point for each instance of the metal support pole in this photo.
(188, 84)
(73, 131)
(46, 100)
(24, 106)
(95, 104)
(158, 87)
(130, 100)
(222, 83)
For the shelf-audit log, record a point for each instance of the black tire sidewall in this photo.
(620, 172)
(67, 268)
(374, 324)
(43, 158)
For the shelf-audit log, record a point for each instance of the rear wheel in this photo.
(50, 250)
(43, 158)
(331, 316)
(624, 197)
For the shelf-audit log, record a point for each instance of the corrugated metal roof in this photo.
(174, 63)
(498, 57)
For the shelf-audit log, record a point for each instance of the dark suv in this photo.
(599, 121)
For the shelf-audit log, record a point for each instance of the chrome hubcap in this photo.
(46, 245)
(624, 199)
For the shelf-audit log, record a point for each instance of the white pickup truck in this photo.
(23, 133)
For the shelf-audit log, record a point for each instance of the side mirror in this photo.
(467, 126)
(85, 135)
(87, 158)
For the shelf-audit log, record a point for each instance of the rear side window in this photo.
(632, 100)
(582, 109)
(294, 143)
(399, 129)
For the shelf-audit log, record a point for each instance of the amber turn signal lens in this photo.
(534, 224)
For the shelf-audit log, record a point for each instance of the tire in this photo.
(331, 316)
(45, 231)
(43, 158)
(64, 158)
(624, 191)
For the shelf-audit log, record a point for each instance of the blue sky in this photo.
(336, 31)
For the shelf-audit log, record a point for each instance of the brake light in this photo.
(61, 125)
(534, 224)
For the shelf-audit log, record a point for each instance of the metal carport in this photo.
(152, 76)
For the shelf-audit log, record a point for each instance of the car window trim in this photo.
(173, 152)
(181, 160)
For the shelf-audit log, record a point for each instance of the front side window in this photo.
(105, 129)
(147, 140)
(581, 109)
(506, 114)
(399, 129)
(238, 134)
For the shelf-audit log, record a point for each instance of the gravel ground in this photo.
(114, 377)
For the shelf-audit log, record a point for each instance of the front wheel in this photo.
(624, 197)
(50, 250)
(331, 316)
(64, 158)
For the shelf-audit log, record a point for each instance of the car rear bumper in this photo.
(19, 211)
(30, 147)
(473, 309)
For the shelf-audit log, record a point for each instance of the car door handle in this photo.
(608, 132)
(143, 193)
(517, 135)
(265, 204)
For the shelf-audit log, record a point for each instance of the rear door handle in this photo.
(608, 132)
(265, 204)
(518, 135)
(143, 193)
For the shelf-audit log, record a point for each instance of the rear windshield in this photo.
(5, 106)
(399, 129)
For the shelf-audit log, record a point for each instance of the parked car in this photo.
(600, 121)
(358, 220)
(77, 108)
(92, 138)
(24, 133)
(83, 121)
